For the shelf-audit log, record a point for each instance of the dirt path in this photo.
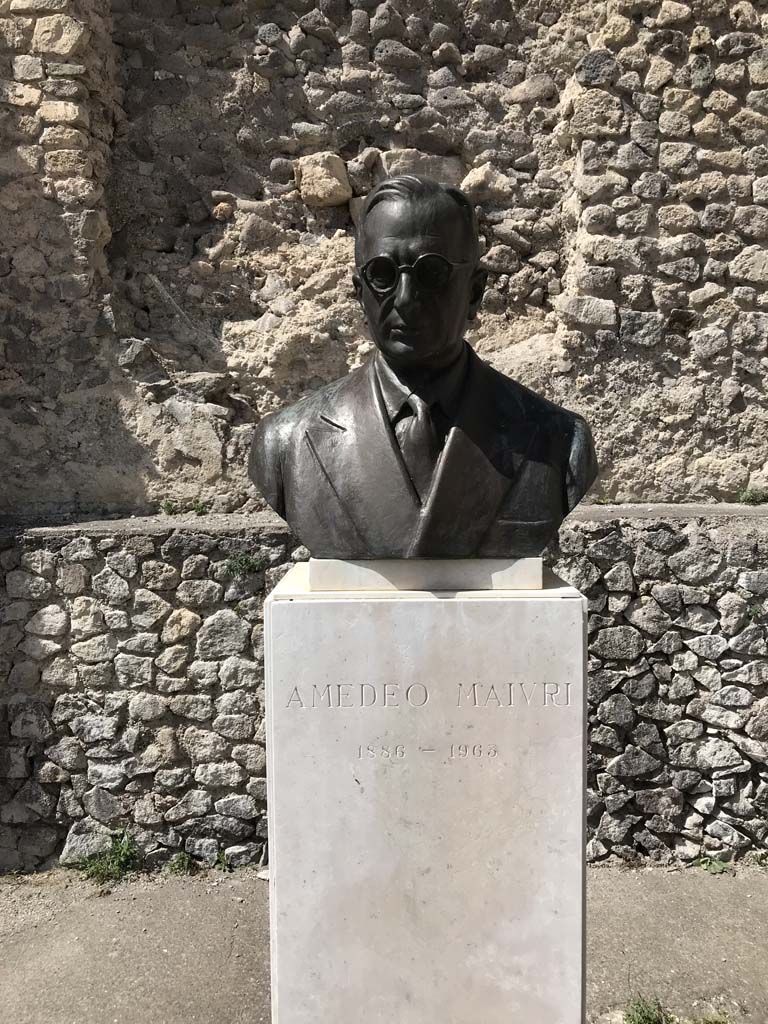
(165, 950)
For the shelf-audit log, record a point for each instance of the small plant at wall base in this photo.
(754, 496)
(712, 865)
(111, 865)
(246, 565)
(200, 507)
(169, 507)
(182, 864)
(646, 1011)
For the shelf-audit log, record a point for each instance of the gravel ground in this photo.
(167, 950)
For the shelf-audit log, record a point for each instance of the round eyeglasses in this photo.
(430, 272)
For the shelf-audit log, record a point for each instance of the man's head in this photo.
(417, 316)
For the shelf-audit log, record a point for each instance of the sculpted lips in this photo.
(400, 331)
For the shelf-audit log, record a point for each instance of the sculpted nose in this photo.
(406, 295)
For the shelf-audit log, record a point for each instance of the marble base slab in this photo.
(426, 777)
(330, 574)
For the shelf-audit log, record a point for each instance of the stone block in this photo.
(322, 180)
(19, 95)
(64, 112)
(39, 6)
(428, 724)
(60, 35)
(447, 169)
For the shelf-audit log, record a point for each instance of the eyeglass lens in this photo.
(430, 271)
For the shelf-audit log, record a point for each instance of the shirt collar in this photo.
(444, 389)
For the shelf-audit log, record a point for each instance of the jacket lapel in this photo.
(482, 458)
(358, 453)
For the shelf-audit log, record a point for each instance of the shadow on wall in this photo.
(237, 279)
(621, 203)
(615, 161)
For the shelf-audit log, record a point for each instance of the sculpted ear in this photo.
(357, 284)
(476, 291)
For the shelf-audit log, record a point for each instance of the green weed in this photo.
(713, 865)
(755, 610)
(200, 507)
(169, 507)
(754, 496)
(182, 864)
(646, 1011)
(246, 565)
(221, 862)
(113, 864)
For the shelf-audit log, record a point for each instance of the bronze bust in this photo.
(425, 451)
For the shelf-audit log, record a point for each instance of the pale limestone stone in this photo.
(587, 311)
(148, 609)
(532, 90)
(60, 35)
(180, 625)
(97, 649)
(60, 137)
(19, 95)
(672, 13)
(64, 112)
(617, 31)
(15, 33)
(751, 265)
(222, 634)
(49, 621)
(660, 71)
(448, 169)
(415, 728)
(485, 182)
(216, 776)
(80, 549)
(87, 617)
(196, 706)
(72, 579)
(39, 648)
(25, 585)
(322, 179)
(39, 6)
(85, 838)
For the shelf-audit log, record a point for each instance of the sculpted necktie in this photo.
(418, 443)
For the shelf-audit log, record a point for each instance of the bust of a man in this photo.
(425, 451)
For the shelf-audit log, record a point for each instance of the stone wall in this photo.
(133, 694)
(56, 117)
(615, 150)
(131, 654)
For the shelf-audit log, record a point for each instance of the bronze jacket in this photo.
(513, 466)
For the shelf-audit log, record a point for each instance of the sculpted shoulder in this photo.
(567, 432)
(279, 428)
(278, 433)
(516, 397)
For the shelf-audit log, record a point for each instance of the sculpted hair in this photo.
(423, 192)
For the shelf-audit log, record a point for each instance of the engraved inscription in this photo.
(371, 751)
(399, 751)
(464, 750)
(510, 695)
(417, 695)
(359, 695)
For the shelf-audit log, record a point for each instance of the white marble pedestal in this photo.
(426, 804)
